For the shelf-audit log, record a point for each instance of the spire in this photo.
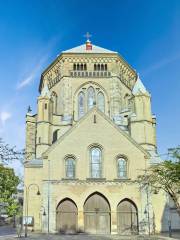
(139, 87)
(45, 91)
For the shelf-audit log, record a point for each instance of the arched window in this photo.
(55, 136)
(74, 67)
(98, 67)
(101, 101)
(78, 66)
(105, 67)
(81, 104)
(122, 167)
(95, 68)
(85, 67)
(102, 67)
(82, 67)
(96, 162)
(91, 98)
(70, 167)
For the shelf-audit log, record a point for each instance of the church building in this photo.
(93, 135)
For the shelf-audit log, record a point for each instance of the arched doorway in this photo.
(127, 218)
(66, 217)
(97, 214)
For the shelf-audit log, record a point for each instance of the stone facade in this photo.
(118, 122)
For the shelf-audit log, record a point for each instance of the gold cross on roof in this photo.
(87, 36)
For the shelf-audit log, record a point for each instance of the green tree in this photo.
(8, 188)
(165, 176)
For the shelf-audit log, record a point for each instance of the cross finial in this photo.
(87, 36)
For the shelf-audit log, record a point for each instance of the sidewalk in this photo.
(84, 237)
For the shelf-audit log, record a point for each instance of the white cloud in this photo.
(39, 63)
(26, 81)
(161, 64)
(4, 116)
(33, 74)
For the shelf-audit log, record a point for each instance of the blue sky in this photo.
(145, 32)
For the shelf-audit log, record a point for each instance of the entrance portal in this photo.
(127, 217)
(66, 217)
(97, 214)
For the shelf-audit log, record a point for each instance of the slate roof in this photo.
(139, 87)
(82, 49)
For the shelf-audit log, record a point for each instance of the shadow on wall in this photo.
(170, 219)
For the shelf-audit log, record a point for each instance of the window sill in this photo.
(96, 179)
(121, 179)
(69, 179)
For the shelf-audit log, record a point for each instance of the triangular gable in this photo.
(93, 111)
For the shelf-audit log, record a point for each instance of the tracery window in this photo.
(81, 104)
(91, 98)
(101, 101)
(122, 167)
(70, 167)
(96, 162)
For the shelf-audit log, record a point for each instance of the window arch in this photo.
(122, 167)
(96, 162)
(70, 167)
(81, 104)
(101, 101)
(91, 98)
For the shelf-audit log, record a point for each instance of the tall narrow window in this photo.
(102, 67)
(55, 136)
(70, 168)
(81, 104)
(122, 168)
(91, 98)
(101, 101)
(96, 162)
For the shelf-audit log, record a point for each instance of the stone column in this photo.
(80, 221)
(113, 221)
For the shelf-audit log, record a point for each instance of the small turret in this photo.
(141, 122)
(44, 119)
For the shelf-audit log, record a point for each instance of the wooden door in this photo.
(67, 217)
(97, 215)
(127, 218)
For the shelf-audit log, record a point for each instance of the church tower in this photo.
(92, 136)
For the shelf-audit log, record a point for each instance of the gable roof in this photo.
(92, 111)
(82, 49)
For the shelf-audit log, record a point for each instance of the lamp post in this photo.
(147, 208)
(27, 203)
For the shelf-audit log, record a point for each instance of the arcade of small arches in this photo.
(83, 67)
(97, 216)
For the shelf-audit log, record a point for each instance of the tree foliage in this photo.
(165, 176)
(8, 188)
